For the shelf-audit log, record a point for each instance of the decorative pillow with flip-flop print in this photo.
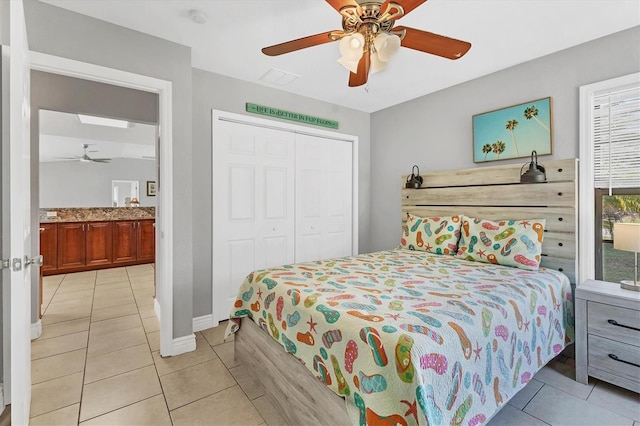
(506, 242)
(437, 235)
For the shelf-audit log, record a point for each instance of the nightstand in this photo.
(608, 334)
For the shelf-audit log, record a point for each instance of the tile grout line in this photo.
(207, 396)
(164, 396)
(86, 356)
(85, 348)
(534, 395)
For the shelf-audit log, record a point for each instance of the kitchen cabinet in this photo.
(71, 246)
(146, 239)
(134, 241)
(49, 246)
(99, 246)
(85, 245)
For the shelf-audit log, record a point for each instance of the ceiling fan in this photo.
(368, 38)
(85, 157)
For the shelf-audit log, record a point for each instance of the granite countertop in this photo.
(97, 214)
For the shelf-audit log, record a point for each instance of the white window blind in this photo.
(616, 136)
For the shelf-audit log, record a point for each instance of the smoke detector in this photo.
(197, 16)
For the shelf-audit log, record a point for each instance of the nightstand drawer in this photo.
(603, 351)
(614, 323)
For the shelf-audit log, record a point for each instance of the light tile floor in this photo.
(97, 363)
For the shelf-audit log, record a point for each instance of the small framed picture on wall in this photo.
(151, 188)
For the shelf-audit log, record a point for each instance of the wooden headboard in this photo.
(496, 193)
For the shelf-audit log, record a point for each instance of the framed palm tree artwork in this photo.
(513, 132)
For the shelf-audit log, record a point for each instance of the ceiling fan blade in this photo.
(433, 43)
(339, 4)
(68, 158)
(361, 77)
(407, 5)
(101, 160)
(300, 43)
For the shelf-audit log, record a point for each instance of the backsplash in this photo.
(96, 214)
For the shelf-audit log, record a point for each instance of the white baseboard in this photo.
(204, 322)
(36, 330)
(184, 344)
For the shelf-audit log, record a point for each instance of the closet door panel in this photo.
(253, 220)
(338, 221)
(323, 198)
(310, 192)
(276, 251)
(241, 193)
(276, 198)
(240, 264)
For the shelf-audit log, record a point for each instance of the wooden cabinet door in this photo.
(124, 241)
(71, 245)
(49, 247)
(146, 241)
(99, 243)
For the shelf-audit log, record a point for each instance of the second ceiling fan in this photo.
(84, 158)
(368, 37)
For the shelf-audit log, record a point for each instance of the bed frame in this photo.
(485, 192)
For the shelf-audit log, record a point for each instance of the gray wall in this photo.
(435, 131)
(214, 91)
(58, 32)
(78, 184)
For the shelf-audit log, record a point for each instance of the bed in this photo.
(408, 336)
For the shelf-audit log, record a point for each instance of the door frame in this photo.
(217, 115)
(163, 303)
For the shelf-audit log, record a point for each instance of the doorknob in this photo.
(35, 260)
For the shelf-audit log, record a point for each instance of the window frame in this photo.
(586, 206)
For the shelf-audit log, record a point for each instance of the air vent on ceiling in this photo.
(278, 77)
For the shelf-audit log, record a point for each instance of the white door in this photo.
(253, 205)
(324, 186)
(16, 215)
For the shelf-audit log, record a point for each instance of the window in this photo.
(609, 174)
(623, 205)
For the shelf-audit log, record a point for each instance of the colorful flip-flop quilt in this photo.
(413, 337)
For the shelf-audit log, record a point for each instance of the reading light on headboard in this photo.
(536, 172)
(414, 181)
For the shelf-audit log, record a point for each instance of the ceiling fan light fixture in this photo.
(352, 46)
(386, 45)
(376, 64)
(350, 64)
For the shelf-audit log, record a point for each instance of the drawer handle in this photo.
(615, 358)
(614, 322)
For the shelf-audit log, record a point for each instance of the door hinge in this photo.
(4, 264)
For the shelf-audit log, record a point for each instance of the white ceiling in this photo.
(62, 135)
(503, 33)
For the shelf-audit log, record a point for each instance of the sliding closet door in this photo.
(253, 205)
(323, 198)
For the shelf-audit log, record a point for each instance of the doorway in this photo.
(163, 304)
